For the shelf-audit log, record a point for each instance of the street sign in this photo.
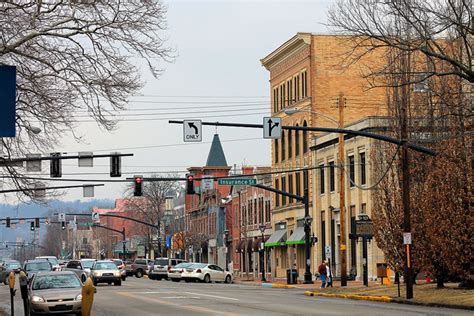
(95, 217)
(207, 184)
(272, 127)
(88, 191)
(364, 228)
(33, 165)
(192, 131)
(62, 217)
(327, 250)
(87, 224)
(7, 100)
(86, 159)
(407, 238)
(237, 181)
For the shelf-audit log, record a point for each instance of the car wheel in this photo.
(118, 283)
(83, 278)
(188, 281)
(159, 278)
(207, 278)
(94, 282)
(228, 279)
(139, 273)
(175, 280)
(124, 278)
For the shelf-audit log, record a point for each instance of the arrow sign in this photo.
(271, 127)
(192, 131)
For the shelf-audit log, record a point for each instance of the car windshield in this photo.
(183, 265)
(53, 261)
(117, 262)
(38, 266)
(87, 264)
(13, 265)
(105, 266)
(61, 281)
(161, 262)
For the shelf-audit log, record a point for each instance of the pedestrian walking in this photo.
(322, 273)
(328, 274)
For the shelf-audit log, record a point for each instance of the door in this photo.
(218, 273)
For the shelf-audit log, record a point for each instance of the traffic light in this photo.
(138, 186)
(37, 222)
(32, 226)
(8, 222)
(190, 184)
(55, 167)
(63, 225)
(115, 166)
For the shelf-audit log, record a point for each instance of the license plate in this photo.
(107, 274)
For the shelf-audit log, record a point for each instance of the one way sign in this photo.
(192, 131)
(272, 127)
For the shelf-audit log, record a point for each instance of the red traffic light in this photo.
(138, 180)
(190, 184)
(190, 178)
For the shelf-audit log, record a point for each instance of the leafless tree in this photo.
(75, 59)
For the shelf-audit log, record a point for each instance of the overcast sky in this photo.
(218, 45)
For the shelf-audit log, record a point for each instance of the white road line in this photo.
(179, 297)
(215, 296)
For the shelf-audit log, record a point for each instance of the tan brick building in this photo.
(309, 72)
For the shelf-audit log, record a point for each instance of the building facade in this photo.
(308, 74)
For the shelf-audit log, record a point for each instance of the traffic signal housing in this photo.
(190, 184)
(32, 226)
(63, 225)
(138, 180)
(55, 166)
(37, 222)
(115, 166)
(8, 222)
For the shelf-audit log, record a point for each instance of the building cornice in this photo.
(293, 44)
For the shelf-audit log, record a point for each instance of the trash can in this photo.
(291, 276)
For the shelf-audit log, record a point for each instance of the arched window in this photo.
(305, 138)
(275, 143)
(283, 145)
(290, 144)
(297, 142)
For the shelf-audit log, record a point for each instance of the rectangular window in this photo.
(255, 212)
(332, 177)
(267, 212)
(275, 144)
(290, 186)
(277, 196)
(283, 188)
(305, 85)
(290, 94)
(298, 183)
(322, 181)
(351, 172)
(363, 208)
(283, 94)
(323, 234)
(275, 100)
(362, 168)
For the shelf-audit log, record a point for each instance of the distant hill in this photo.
(38, 210)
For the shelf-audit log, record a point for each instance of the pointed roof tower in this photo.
(216, 157)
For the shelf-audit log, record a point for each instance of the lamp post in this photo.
(226, 235)
(262, 230)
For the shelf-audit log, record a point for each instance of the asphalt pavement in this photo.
(142, 297)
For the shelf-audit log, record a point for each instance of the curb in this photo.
(278, 286)
(387, 299)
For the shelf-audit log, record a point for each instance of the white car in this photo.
(53, 260)
(174, 273)
(206, 273)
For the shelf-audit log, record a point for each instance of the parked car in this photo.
(55, 292)
(105, 271)
(77, 267)
(206, 273)
(62, 263)
(140, 267)
(159, 269)
(7, 267)
(53, 260)
(174, 273)
(31, 267)
(121, 266)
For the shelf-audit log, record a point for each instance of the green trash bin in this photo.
(291, 276)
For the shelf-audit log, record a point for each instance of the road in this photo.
(142, 297)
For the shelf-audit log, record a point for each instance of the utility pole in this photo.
(124, 241)
(342, 196)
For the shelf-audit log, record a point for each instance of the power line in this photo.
(173, 108)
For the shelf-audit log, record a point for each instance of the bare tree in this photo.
(76, 59)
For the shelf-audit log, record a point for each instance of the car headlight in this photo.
(37, 299)
(79, 297)
(117, 273)
(96, 273)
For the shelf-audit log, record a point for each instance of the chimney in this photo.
(247, 169)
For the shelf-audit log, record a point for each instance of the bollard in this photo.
(88, 291)
(11, 283)
(24, 292)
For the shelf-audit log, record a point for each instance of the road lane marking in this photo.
(215, 296)
(179, 305)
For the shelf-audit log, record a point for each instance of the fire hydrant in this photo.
(88, 291)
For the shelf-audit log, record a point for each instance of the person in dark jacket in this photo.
(323, 274)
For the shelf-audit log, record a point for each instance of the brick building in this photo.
(308, 73)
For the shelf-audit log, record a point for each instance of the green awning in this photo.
(297, 238)
(276, 239)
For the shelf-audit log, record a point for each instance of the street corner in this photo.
(385, 299)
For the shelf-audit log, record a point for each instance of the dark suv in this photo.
(140, 267)
(161, 266)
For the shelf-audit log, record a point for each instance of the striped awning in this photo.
(278, 238)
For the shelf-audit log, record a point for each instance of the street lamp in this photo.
(226, 235)
(342, 220)
(262, 230)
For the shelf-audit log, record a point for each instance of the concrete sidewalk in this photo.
(281, 283)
